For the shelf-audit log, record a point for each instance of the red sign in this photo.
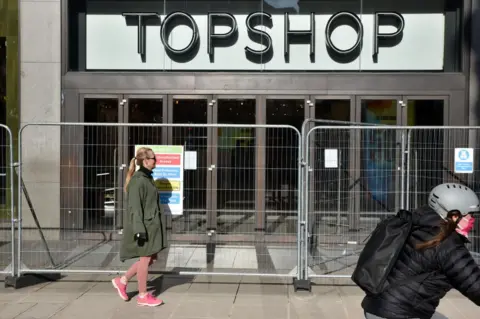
(168, 159)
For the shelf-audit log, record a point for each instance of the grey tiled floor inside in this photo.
(87, 296)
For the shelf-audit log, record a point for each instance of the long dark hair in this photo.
(447, 227)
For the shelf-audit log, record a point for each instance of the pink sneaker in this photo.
(121, 288)
(149, 300)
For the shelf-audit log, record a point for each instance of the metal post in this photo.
(12, 205)
(19, 213)
(339, 189)
(415, 159)
(301, 195)
(402, 173)
(115, 166)
(306, 233)
(11, 165)
(408, 169)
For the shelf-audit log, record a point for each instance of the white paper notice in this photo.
(331, 158)
(190, 160)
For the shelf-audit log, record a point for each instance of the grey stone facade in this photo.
(40, 87)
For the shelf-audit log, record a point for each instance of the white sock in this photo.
(123, 280)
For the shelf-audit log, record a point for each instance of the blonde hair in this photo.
(142, 153)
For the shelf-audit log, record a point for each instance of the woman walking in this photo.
(144, 233)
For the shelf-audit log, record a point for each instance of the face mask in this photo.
(465, 225)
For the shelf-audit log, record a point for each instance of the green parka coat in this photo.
(144, 214)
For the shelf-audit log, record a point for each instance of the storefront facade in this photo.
(242, 62)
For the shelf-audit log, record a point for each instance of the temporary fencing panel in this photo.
(7, 201)
(355, 176)
(233, 189)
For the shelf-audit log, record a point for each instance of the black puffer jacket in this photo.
(421, 278)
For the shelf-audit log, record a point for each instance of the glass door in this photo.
(100, 161)
(140, 109)
(197, 191)
(430, 149)
(329, 185)
(234, 178)
(378, 156)
(281, 162)
(329, 198)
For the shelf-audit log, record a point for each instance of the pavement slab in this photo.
(200, 297)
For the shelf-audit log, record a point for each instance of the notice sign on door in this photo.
(168, 176)
(464, 160)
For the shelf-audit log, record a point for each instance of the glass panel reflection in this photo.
(427, 148)
(236, 167)
(100, 159)
(379, 156)
(193, 139)
(328, 194)
(281, 164)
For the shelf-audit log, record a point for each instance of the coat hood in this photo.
(426, 217)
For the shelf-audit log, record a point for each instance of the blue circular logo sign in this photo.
(463, 155)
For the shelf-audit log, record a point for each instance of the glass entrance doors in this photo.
(244, 179)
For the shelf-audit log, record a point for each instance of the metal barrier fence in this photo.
(7, 201)
(356, 176)
(241, 191)
(259, 200)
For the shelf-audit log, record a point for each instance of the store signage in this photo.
(256, 19)
(260, 41)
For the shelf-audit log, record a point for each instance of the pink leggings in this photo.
(140, 268)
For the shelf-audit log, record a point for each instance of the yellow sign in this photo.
(166, 185)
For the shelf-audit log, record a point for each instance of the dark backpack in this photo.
(381, 252)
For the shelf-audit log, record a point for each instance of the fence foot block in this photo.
(302, 284)
(27, 280)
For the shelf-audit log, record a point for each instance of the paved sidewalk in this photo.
(92, 297)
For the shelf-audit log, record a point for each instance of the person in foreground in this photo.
(144, 234)
(434, 259)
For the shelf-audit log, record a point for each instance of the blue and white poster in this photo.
(464, 160)
(168, 176)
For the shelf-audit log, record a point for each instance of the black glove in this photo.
(141, 238)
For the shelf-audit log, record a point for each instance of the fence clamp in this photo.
(210, 233)
(303, 163)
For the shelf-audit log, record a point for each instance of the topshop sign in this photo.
(261, 41)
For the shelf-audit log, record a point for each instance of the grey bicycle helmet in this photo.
(451, 196)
